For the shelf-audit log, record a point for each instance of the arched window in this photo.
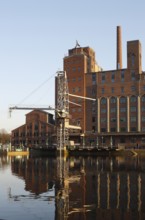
(113, 100)
(143, 98)
(103, 101)
(133, 99)
(123, 100)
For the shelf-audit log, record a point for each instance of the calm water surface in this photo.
(85, 188)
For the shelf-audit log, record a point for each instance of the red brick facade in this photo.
(37, 132)
(118, 114)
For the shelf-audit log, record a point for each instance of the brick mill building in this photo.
(36, 132)
(117, 117)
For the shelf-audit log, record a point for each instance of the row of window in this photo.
(78, 79)
(74, 69)
(113, 76)
(122, 129)
(122, 119)
(35, 134)
(77, 89)
(114, 129)
(122, 99)
(76, 109)
(36, 126)
(132, 89)
(123, 109)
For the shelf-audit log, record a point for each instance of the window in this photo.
(93, 91)
(122, 129)
(103, 90)
(133, 129)
(103, 120)
(103, 129)
(143, 140)
(113, 129)
(143, 99)
(93, 79)
(122, 100)
(113, 119)
(73, 79)
(143, 109)
(103, 101)
(113, 110)
(113, 100)
(133, 88)
(133, 119)
(73, 90)
(133, 99)
(94, 103)
(79, 89)
(143, 128)
(122, 76)
(79, 78)
(132, 59)
(93, 119)
(122, 109)
(143, 88)
(132, 75)
(79, 100)
(112, 89)
(78, 122)
(93, 109)
(143, 118)
(122, 89)
(113, 77)
(103, 110)
(93, 129)
(122, 119)
(103, 77)
(36, 126)
(133, 108)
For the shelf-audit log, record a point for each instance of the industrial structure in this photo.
(101, 108)
(40, 130)
(36, 132)
(118, 115)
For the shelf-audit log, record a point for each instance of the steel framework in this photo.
(62, 112)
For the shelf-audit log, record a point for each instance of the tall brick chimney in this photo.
(119, 48)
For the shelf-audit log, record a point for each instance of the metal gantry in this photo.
(62, 112)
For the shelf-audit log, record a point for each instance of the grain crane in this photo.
(61, 110)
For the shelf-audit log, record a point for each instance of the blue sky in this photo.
(35, 35)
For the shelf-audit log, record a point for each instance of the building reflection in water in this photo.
(87, 188)
(4, 162)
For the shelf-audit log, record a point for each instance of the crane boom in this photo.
(31, 108)
(82, 97)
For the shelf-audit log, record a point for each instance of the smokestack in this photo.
(119, 48)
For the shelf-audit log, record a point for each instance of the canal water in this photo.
(75, 188)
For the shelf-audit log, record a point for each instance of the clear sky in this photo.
(35, 35)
